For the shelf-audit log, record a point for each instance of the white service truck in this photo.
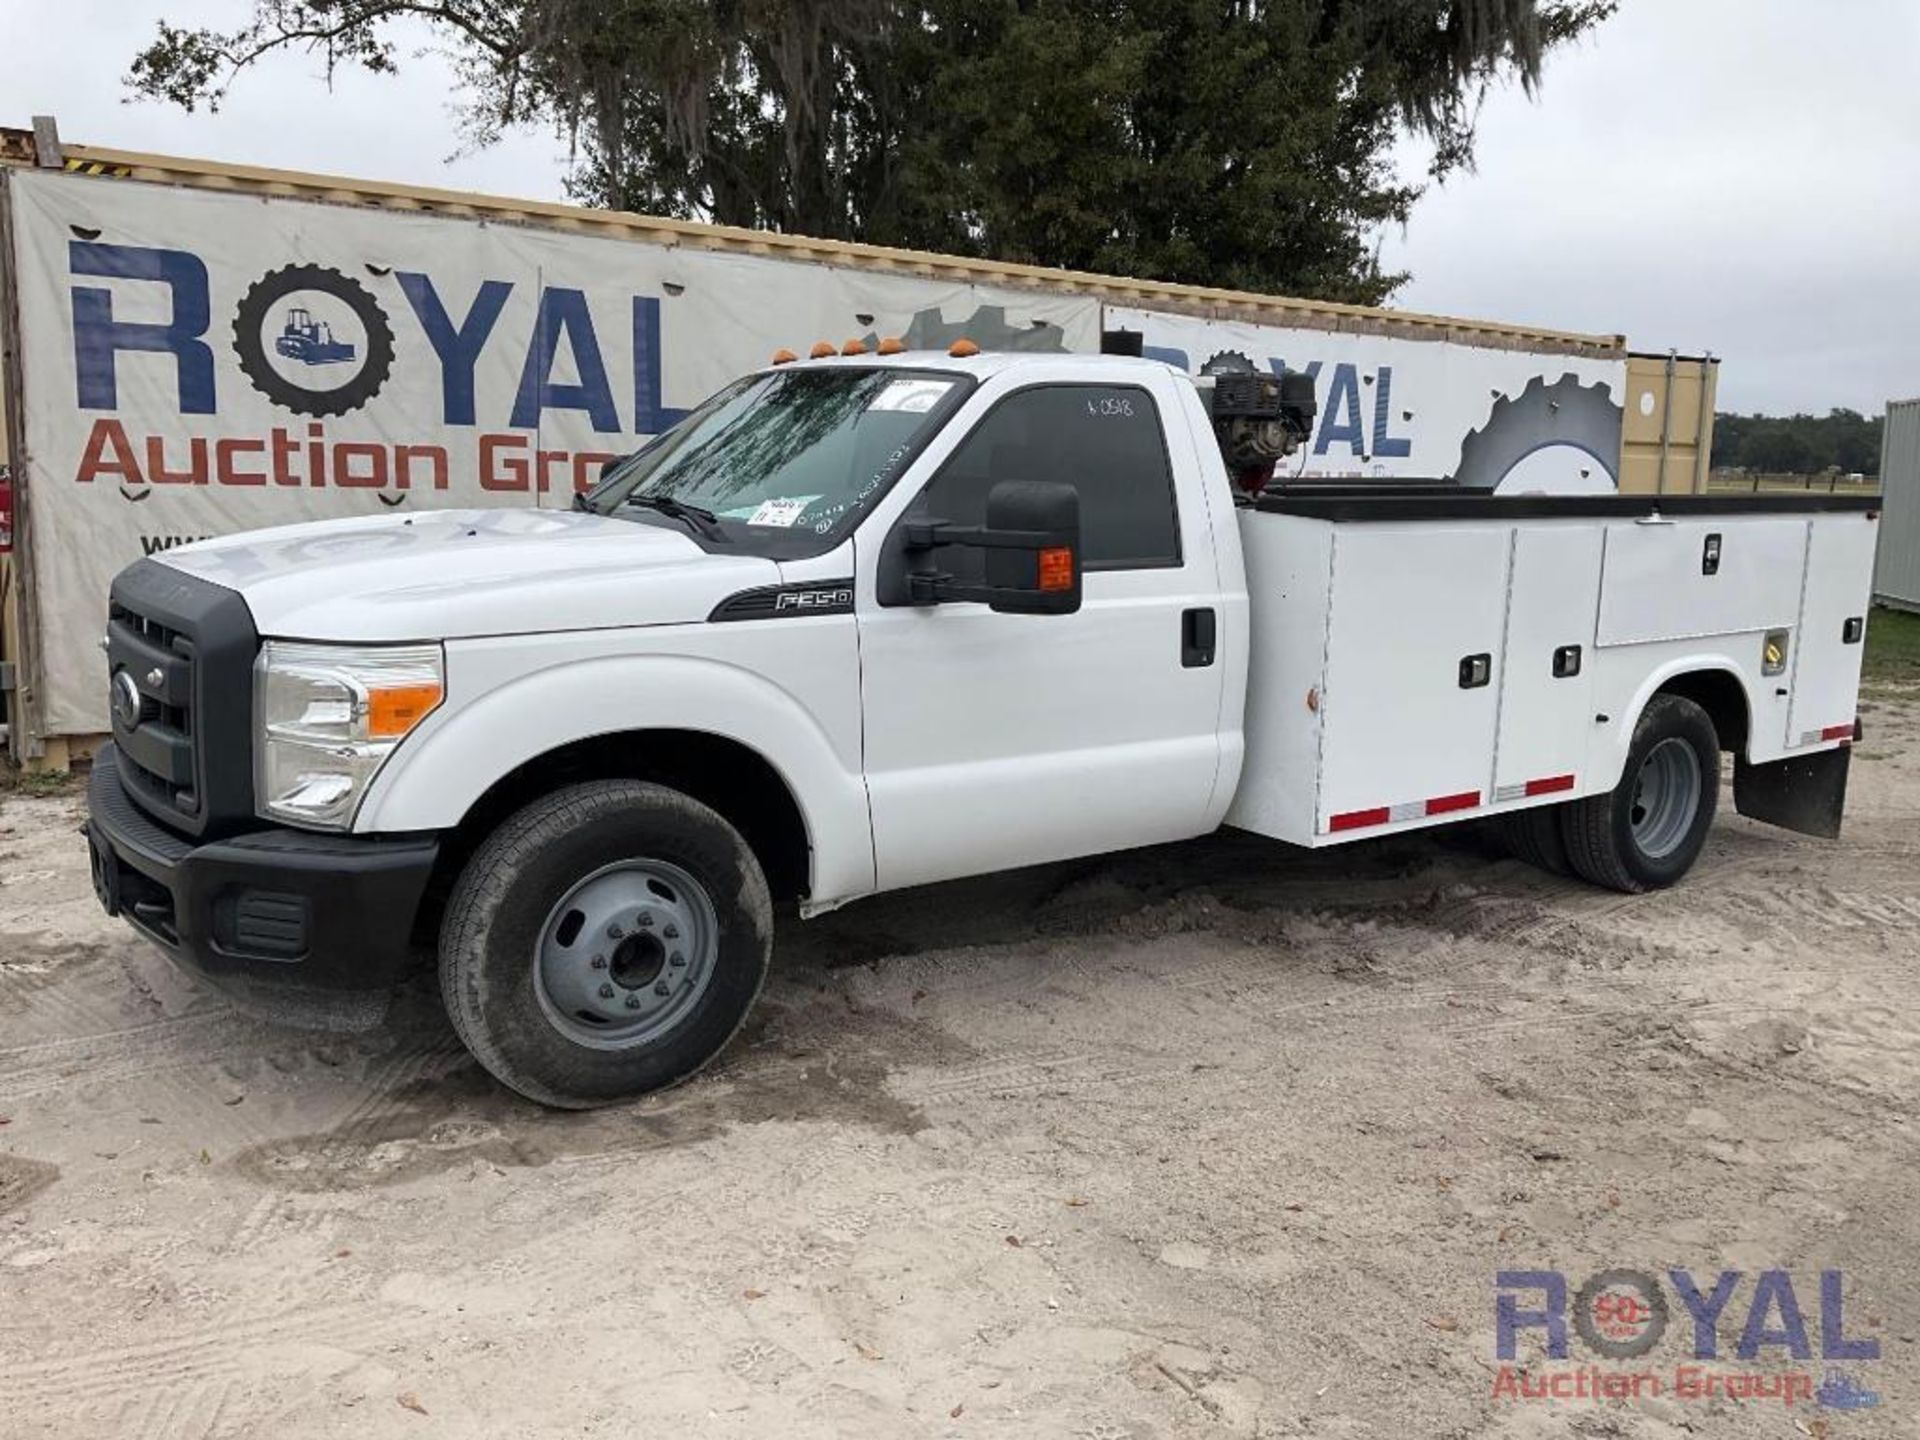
(880, 620)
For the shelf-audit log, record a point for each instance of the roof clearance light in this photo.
(854, 347)
(823, 350)
(892, 345)
(962, 348)
(784, 357)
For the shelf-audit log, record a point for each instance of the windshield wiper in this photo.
(696, 517)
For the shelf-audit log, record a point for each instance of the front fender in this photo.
(496, 720)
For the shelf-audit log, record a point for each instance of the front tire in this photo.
(1647, 831)
(605, 941)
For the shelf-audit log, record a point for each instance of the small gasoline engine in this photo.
(1259, 420)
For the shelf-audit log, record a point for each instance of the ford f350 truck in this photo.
(879, 620)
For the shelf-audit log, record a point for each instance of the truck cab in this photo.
(867, 622)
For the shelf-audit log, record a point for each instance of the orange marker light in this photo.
(892, 345)
(784, 357)
(854, 347)
(962, 348)
(1056, 568)
(396, 709)
(822, 351)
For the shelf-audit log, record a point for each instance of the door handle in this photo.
(1196, 638)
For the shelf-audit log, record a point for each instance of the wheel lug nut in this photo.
(676, 959)
(672, 932)
(633, 1002)
(645, 921)
(606, 992)
(663, 988)
(614, 932)
(599, 962)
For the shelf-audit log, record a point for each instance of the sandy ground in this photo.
(1216, 1140)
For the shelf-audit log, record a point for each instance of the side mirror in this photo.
(1032, 540)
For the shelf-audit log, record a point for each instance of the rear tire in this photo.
(1647, 831)
(605, 941)
(1534, 836)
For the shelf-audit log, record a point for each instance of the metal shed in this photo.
(1896, 573)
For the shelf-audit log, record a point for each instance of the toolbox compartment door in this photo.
(1546, 693)
(1712, 575)
(1404, 725)
(1830, 639)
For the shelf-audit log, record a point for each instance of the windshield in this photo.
(790, 455)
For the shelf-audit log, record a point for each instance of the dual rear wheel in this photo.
(1647, 831)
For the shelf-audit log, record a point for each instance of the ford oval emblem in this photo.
(126, 700)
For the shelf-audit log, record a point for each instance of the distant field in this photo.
(1722, 482)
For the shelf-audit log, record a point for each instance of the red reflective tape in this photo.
(1360, 819)
(1552, 784)
(1838, 732)
(1441, 804)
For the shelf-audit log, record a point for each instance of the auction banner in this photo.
(1391, 408)
(197, 363)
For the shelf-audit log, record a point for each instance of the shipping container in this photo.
(1896, 572)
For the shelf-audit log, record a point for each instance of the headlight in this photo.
(327, 717)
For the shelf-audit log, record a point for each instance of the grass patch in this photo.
(1892, 661)
(31, 784)
(1721, 483)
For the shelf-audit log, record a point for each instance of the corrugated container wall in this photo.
(1896, 574)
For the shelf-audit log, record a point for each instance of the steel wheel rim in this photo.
(626, 954)
(1666, 797)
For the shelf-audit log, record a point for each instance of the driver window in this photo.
(1104, 440)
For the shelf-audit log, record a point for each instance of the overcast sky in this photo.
(1739, 176)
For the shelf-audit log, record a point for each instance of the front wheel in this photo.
(1648, 830)
(605, 941)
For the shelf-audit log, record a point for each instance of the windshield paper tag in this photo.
(911, 397)
(781, 512)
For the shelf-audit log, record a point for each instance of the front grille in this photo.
(180, 676)
(158, 746)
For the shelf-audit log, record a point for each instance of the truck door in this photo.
(993, 740)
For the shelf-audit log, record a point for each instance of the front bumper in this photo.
(332, 912)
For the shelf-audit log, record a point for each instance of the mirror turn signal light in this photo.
(1055, 568)
(962, 348)
(784, 357)
(892, 345)
(822, 350)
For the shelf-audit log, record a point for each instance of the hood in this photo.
(447, 574)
